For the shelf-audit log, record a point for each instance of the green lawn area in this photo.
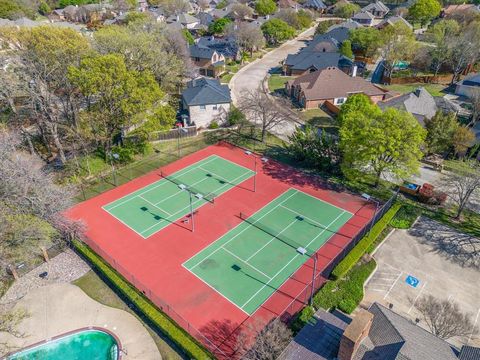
(318, 117)
(94, 287)
(434, 89)
(277, 82)
(225, 79)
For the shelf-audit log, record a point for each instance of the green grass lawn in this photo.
(277, 82)
(225, 79)
(94, 287)
(318, 117)
(434, 89)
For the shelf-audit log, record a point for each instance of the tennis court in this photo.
(250, 262)
(167, 200)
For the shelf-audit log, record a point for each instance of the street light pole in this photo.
(191, 210)
(255, 175)
(114, 156)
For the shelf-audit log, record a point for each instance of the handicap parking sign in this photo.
(412, 281)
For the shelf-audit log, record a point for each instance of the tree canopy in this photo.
(441, 129)
(376, 142)
(219, 26)
(277, 31)
(346, 10)
(265, 7)
(424, 11)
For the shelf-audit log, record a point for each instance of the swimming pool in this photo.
(88, 344)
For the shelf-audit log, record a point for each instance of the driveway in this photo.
(251, 77)
(429, 258)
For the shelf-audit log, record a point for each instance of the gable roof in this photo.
(183, 19)
(420, 103)
(363, 15)
(331, 83)
(393, 20)
(452, 9)
(319, 41)
(315, 4)
(201, 52)
(226, 46)
(316, 60)
(376, 6)
(473, 80)
(203, 91)
(288, 4)
(392, 337)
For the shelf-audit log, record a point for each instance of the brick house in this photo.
(330, 85)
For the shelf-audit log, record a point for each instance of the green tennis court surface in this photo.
(157, 205)
(250, 262)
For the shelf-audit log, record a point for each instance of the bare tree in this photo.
(465, 49)
(444, 318)
(263, 111)
(464, 182)
(9, 321)
(241, 11)
(269, 341)
(248, 37)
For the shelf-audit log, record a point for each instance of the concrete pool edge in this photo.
(68, 333)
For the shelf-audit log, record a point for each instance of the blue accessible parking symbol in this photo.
(412, 281)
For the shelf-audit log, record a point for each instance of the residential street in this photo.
(251, 76)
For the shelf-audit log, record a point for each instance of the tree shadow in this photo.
(457, 247)
(225, 338)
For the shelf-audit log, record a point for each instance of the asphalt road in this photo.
(250, 77)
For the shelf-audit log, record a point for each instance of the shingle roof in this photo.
(377, 5)
(393, 337)
(319, 339)
(201, 52)
(315, 4)
(473, 80)
(183, 19)
(469, 353)
(316, 60)
(333, 83)
(227, 46)
(395, 19)
(203, 91)
(420, 103)
(363, 15)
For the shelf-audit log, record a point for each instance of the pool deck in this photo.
(59, 308)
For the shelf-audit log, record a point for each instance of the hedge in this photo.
(359, 250)
(405, 217)
(179, 336)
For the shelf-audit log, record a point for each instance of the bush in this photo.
(405, 217)
(357, 252)
(345, 294)
(174, 332)
(302, 318)
(235, 116)
(213, 125)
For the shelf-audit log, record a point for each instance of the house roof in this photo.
(393, 20)
(363, 15)
(205, 18)
(394, 337)
(226, 46)
(349, 24)
(473, 80)
(203, 91)
(452, 9)
(201, 52)
(319, 339)
(469, 353)
(288, 4)
(331, 83)
(315, 4)
(315, 60)
(376, 6)
(420, 103)
(320, 41)
(183, 18)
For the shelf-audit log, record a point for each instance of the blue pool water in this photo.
(82, 345)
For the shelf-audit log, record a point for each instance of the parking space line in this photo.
(416, 298)
(391, 287)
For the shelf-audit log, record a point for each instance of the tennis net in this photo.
(275, 234)
(210, 197)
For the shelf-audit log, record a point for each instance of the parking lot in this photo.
(429, 258)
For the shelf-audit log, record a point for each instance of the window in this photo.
(197, 59)
(215, 107)
(203, 107)
(339, 101)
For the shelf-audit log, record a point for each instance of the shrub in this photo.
(347, 305)
(213, 125)
(302, 318)
(405, 217)
(235, 116)
(179, 336)
(357, 252)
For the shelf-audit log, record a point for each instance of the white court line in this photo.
(156, 186)
(326, 202)
(180, 191)
(248, 227)
(416, 298)
(141, 197)
(474, 324)
(220, 176)
(391, 287)
(379, 290)
(306, 217)
(253, 267)
(293, 258)
(273, 237)
(195, 202)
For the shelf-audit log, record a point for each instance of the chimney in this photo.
(354, 70)
(353, 335)
(417, 92)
